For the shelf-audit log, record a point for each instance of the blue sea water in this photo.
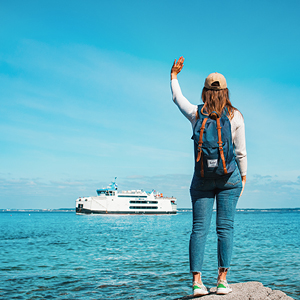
(67, 256)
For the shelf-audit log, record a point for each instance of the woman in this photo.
(226, 189)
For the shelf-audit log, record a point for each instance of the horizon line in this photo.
(71, 209)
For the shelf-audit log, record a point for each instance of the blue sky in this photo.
(85, 96)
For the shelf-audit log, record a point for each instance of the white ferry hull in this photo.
(129, 202)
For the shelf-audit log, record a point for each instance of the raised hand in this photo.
(177, 67)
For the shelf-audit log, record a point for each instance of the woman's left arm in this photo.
(189, 110)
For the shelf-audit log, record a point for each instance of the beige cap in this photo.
(215, 81)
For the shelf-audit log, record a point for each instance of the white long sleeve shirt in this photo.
(237, 125)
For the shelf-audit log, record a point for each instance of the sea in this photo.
(61, 255)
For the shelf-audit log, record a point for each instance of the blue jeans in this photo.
(203, 192)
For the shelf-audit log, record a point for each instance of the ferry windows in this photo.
(109, 193)
(143, 207)
(143, 202)
(80, 205)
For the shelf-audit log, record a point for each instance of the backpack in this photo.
(213, 148)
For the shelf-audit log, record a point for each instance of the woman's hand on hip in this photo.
(177, 67)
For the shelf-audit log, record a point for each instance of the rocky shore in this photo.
(244, 291)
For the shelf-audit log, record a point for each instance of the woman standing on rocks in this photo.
(226, 185)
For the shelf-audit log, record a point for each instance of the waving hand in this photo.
(177, 67)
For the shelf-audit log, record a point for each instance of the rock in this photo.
(244, 291)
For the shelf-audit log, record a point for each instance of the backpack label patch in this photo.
(212, 163)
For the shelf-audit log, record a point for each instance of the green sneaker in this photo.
(223, 287)
(199, 288)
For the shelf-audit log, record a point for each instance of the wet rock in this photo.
(244, 291)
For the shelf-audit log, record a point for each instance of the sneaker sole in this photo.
(200, 293)
(223, 291)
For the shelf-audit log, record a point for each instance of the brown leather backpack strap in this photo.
(220, 145)
(201, 139)
(199, 154)
(202, 168)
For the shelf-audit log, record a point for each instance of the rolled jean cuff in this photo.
(196, 272)
(224, 269)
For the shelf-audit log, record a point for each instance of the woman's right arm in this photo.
(240, 145)
(188, 110)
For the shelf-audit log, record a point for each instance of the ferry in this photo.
(110, 201)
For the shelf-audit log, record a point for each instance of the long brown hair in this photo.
(217, 100)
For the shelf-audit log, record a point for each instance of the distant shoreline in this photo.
(72, 210)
